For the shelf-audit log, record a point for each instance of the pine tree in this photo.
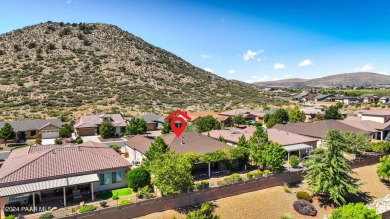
(242, 142)
(328, 171)
(156, 150)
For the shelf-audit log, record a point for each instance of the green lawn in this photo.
(119, 192)
(122, 192)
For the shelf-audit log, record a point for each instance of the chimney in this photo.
(182, 142)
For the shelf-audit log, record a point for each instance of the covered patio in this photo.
(301, 149)
(47, 187)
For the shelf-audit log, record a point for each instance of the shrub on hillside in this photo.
(304, 207)
(303, 195)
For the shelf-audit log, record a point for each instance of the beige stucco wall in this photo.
(379, 119)
(135, 155)
(97, 187)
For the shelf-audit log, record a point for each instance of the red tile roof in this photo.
(92, 121)
(53, 161)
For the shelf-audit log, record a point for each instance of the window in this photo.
(33, 133)
(104, 178)
(116, 177)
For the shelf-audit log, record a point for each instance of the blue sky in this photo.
(244, 40)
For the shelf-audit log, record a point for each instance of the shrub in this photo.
(205, 211)
(257, 174)
(87, 208)
(249, 175)
(355, 211)
(47, 215)
(38, 140)
(286, 216)
(103, 204)
(303, 195)
(380, 147)
(123, 202)
(115, 197)
(202, 185)
(138, 178)
(58, 141)
(266, 173)
(234, 178)
(144, 192)
(304, 207)
(116, 148)
(286, 187)
(11, 216)
(79, 140)
(294, 161)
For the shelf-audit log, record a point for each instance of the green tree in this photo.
(296, 115)
(256, 144)
(328, 171)
(238, 119)
(339, 105)
(383, 170)
(156, 150)
(166, 127)
(106, 129)
(242, 142)
(204, 212)
(356, 142)
(7, 133)
(354, 211)
(333, 112)
(136, 126)
(66, 130)
(272, 156)
(138, 178)
(294, 161)
(206, 124)
(266, 117)
(172, 173)
(116, 148)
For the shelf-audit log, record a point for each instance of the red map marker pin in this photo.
(178, 116)
(175, 129)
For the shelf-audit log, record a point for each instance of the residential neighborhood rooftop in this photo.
(380, 112)
(33, 124)
(34, 163)
(317, 129)
(152, 118)
(93, 121)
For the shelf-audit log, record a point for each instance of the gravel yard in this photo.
(273, 202)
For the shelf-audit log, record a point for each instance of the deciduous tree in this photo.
(332, 112)
(206, 124)
(136, 126)
(7, 132)
(383, 170)
(296, 115)
(106, 129)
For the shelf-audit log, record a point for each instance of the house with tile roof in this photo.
(377, 119)
(28, 129)
(257, 116)
(154, 121)
(186, 143)
(293, 143)
(223, 119)
(57, 172)
(89, 124)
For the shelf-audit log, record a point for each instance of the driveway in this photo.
(94, 138)
(48, 141)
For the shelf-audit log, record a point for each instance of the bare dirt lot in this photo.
(272, 203)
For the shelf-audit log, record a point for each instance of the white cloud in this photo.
(305, 63)
(68, 2)
(263, 78)
(251, 54)
(208, 69)
(279, 66)
(232, 71)
(205, 56)
(259, 60)
(366, 67)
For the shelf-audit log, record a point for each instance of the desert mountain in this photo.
(346, 79)
(71, 65)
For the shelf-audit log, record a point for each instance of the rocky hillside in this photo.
(350, 79)
(56, 65)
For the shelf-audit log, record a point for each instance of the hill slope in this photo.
(351, 79)
(71, 65)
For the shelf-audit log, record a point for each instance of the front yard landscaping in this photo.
(114, 193)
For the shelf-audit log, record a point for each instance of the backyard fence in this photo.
(172, 202)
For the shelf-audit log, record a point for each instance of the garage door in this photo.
(50, 134)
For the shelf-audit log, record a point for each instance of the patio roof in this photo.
(48, 184)
(297, 147)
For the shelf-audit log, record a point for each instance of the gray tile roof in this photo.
(34, 124)
(152, 118)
